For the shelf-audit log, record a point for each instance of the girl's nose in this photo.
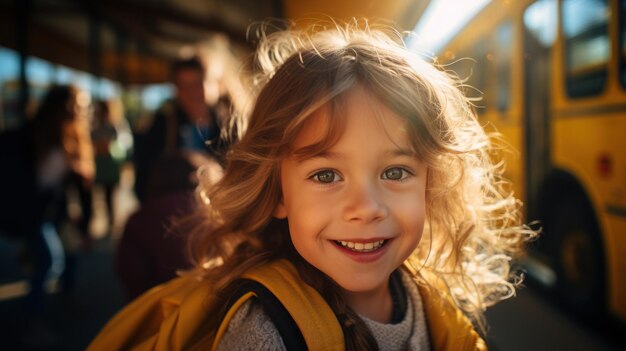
(365, 204)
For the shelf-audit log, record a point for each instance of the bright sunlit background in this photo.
(441, 20)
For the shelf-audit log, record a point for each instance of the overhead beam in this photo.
(47, 43)
(166, 12)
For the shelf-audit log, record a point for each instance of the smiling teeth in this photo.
(361, 247)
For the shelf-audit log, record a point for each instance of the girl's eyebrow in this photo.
(301, 156)
(401, 152)
(327, 154)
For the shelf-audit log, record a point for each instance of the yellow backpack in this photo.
(174, 315)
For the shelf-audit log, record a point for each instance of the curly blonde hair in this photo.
(473, 222)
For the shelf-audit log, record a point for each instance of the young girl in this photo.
(365, 170)
(365, 167)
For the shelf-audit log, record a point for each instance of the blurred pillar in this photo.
(23, 9)
(142, 51)
(95, 48)
(121, 49)
(279, 10)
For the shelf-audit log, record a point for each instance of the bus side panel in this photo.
(582, 146)
(617, 268)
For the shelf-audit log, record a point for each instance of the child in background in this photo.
(364, 172)
(111, 141)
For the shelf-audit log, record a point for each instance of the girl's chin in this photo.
(362, 284)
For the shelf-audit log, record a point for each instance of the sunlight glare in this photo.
(441, 21)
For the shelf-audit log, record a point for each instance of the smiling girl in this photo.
(366, 169)
(365, 179)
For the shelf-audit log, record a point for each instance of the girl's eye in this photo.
(326, 176)
(395, 173)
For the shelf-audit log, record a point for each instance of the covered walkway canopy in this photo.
(133, 41)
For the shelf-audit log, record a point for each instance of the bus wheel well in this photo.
(573, 242)
(558, 185)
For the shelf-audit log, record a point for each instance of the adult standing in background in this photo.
(198, 119)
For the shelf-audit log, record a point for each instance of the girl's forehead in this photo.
(315, 128)
(349, 112)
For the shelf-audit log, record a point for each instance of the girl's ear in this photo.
(280, 211)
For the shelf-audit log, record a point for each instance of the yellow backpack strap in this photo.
(229, 315)
(171, 316)
(312, 315)
(449, 329)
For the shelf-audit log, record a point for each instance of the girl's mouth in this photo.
(361, 247)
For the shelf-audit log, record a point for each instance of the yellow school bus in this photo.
(553, 79)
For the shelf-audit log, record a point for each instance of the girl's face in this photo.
(356, 211)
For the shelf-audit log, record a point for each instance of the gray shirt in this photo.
(251, 329)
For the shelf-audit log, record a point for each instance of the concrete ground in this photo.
(74, 317)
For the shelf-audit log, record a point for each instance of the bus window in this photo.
(540, 21)
(622, 23)
(502, 57)
(587, 46)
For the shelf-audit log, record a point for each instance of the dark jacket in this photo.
(149, 253)
(171, 132)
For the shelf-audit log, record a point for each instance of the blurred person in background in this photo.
(51, 152)
(201, 118)
(112, 141)
(150, 251)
